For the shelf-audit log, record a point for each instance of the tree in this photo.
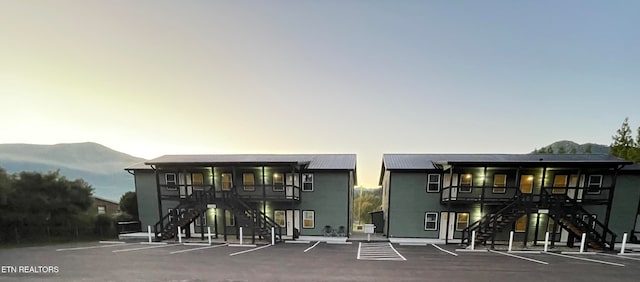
(129, 204)
(588, 149)
(562, 150)
(573, 150)
(623, 145)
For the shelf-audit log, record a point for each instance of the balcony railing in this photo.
(505, 194)
(254, 192)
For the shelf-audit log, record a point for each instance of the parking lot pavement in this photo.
(289, 262)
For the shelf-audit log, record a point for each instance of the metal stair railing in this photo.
(483, 225)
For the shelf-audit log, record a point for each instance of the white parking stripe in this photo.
(91, 247)
(619, 256)
(144, 248)
(524, 258)
(195, 249)
(448, 252)
(250, 250)
(309, 248)
(378, 251)
(585, 259)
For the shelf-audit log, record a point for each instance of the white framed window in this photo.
(248, 181)
(466, 181)
(227, 181)
(585, 218)
(308, 219)
(197, 180)
(307, 182)
(499, 183)
(279, 217)
(169, 211)
(278, 182)
(231, 220)
(521, 224)
(462, 221)
(201, 220)
(560, 183)
(433, 183)
(594, 184)
(526, 184)
(102, 209)
(430, 221)
(171, 181)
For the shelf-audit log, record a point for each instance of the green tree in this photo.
(562, 150)
(623, 145)
(588, 149)
(129, 204)
(573, 150)
(366, 202)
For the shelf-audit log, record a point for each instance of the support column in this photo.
(158, 192)
(607, 215)
(446, 238)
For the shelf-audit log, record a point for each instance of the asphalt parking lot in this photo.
(303, 262)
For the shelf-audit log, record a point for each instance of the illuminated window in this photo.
(279, 218)
(466, 180)
(462, 221)
(499, 183)
(198, 181)
(278, 182)
(595, 182)
(227, 181)
(102, 209)
(560, 183)
(170, 180)
(248, 181)
(526, 183)
(308, 219)
(433, 183)
(521, 224)
(430, 221)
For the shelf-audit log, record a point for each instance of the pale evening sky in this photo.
(150, 78)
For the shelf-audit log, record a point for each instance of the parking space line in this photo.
(250, 250)
(619, 256)
(359, 247)
(144, 248)
(394, 249)
(309, 248)
(441, 249)
(520, 257)
(195, 249)
(585, 259)
(90, 247)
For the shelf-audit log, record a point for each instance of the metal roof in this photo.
(312, 161)
(138, 166)
(429, 161)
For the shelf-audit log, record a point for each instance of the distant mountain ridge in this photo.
(99, 165)
(579, 148)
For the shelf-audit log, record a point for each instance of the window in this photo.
(585, 218)
(307, 182)
(248, 181)
(433, 183)
(466, 180)
(198, 181)
(431, 221)
(279, 217)
(231, 220)
(278, 182)
(170, 180)
(227, 181)
(308, 219)
(170, 213)
(560, 183)
(595, 182)
(102, 209)
(521, 224)
(526, 184)
(462, 221)
(499, 183)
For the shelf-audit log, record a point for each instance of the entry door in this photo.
(526, 184)
(444, 227)
(293, 221)
(291, 179)
(186, 188)
(454, 184)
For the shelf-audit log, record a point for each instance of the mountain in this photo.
(100, 166)
(579, 148)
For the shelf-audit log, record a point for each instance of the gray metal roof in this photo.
(312, 161)
(138, 166)
(428, 161)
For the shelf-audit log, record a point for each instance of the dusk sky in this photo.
(150, 78)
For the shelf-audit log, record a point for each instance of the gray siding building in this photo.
(305, 194)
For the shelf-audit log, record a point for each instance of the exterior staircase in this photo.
(254, 221)
(567, 212)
